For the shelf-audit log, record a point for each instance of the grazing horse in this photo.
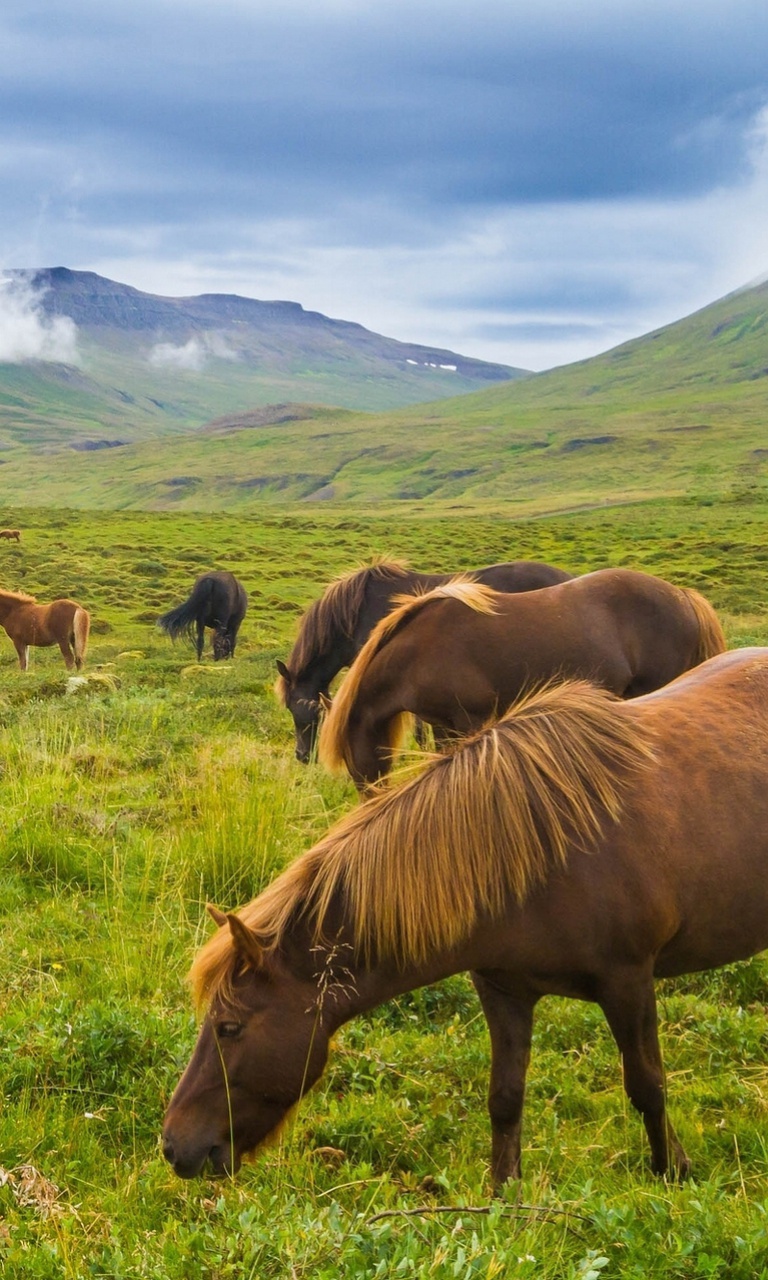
(217, 600)
(63, 622)
(462, 654)
(11, 535)
(582, 847)
(335, 628)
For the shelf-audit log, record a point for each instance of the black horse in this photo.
(335, 627)
(217, 600)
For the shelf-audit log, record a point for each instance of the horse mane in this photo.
(337, 609)
(17, 597)
(418, 867)
(333, 742)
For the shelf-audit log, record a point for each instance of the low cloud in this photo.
(27, 333)
(192, 355)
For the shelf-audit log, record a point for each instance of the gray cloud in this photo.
(352, 155)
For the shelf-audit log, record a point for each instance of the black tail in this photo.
(183, 619)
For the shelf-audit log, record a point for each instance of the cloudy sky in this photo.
(531, 182)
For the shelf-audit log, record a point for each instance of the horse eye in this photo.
(228, 1030)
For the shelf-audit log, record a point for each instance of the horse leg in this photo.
(67, 653)
(510, 1023)
(370, 755)
(629, 1003)
(23, 652)
(199, 643)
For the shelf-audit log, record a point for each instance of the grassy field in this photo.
(163, 784)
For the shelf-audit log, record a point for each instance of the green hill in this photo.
(151, 366)
(679, 411)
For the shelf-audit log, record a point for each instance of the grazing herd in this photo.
(596, 818)
(581, 846)
(605, 823)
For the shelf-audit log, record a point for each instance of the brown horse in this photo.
(462, 654)
(63, 622)
(582, 847)
(11, 535)
(335, 628)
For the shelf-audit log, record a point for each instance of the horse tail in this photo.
(333, 743)
(182, 619)
(81, 629)
(711, 636)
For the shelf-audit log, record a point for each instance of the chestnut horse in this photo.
(63, 622)
(335, 628)
(462, 654)
(11, 535)
(580, 847)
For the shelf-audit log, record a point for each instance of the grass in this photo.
(677, 413)
(126, 807)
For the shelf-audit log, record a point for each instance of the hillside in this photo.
(679, 411)
(151, 366)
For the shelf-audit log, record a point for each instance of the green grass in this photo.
(124, 809)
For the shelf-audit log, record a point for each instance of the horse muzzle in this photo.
(189, 1162)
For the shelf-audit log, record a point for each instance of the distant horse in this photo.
(217, 600)
(580, 847)
(462, 654)
(63, 622)
(11, 535)
(335, 627)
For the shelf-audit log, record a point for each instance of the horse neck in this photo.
(8, 605)
(377, 601)
(321, 669)
(350, 986)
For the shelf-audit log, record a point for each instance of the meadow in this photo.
(162, 784)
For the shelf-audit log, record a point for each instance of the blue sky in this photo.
(531, 183)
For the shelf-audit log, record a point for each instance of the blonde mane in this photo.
(416, 868)
(333, 745)
(336, 611)
(17, 597)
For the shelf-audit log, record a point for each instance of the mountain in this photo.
(148, 365)
(681, 411)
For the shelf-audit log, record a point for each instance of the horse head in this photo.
(261, 1047)
(306, 704)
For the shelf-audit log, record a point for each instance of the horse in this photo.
(462, 653)
(11, 535)
(63, 622)
(217, 600)
(581, 846)
(335, 628)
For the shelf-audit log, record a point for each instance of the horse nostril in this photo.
(168, 1151)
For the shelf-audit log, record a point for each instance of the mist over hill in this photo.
(99, 356)
(681, 411)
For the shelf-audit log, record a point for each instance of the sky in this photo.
(530, 183)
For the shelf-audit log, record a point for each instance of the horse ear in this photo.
(283, 670)
(326, 701)
(218, 917)
(245, 941)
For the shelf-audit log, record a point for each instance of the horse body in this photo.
(11, 535)
(335, 627)
(582, 847)
(63, 622)
(217, 600)
(461, 655)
